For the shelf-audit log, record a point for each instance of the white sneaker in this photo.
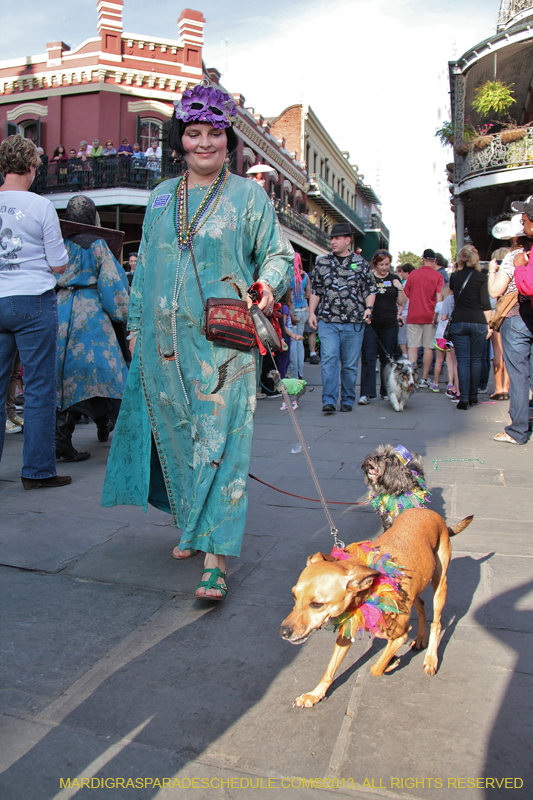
(363, 400)
(11, 427)
(283, 407)
(423, 384)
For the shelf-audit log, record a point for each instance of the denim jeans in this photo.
(369, 352)
(485, 365)
(297, 348)
(339, 342)
(29, 322)
(469, 341)
(517, 346)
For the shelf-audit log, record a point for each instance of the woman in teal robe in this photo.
(184, 435)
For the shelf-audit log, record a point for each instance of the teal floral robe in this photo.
(184, 435)
(92, 292)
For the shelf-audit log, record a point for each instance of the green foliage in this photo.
(493, 96)
(406, 257)
(453, 246)
(445, 133)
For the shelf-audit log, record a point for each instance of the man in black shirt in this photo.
(344, 291)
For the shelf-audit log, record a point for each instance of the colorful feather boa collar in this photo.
(385, 597)
(392, 505)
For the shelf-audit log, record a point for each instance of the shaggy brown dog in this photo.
(419, 543)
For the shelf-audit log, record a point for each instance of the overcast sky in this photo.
(375, 72)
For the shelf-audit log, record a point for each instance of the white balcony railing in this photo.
(495, 157)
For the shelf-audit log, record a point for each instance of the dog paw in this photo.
(394, 662)
(419, 643)
(306, 701)
(430, 665)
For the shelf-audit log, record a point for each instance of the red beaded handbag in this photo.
(227, 321)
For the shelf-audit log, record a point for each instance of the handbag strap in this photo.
(196, 273)
(459, 292)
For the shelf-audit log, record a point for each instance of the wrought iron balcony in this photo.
(497, 156)
(103, 173)
(375, 223)
(510, 8)
(299, 224)
(329, 199)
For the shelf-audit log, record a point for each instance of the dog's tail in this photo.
(455, 529)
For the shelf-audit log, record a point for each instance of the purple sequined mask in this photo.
(205, 104)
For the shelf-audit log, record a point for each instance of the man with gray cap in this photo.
(344, 291)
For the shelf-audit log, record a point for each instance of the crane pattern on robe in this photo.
(214, 381)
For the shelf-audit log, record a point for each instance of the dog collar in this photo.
(386, 597)
(403, 454)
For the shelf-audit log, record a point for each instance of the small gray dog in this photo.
(395, 478)
(401, 379)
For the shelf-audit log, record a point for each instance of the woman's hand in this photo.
(132, 342)
(267, 301)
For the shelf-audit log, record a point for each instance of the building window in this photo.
(321, 167)
(149, 130)
(315, 160)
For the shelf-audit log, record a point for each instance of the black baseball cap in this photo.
(429, 254)
(524, 207)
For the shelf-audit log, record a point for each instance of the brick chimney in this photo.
(54, 53)
(110, 27)
(191, 33)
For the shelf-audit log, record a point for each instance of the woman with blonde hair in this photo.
(32, 252)
(469, 322)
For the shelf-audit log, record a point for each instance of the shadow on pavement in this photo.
(509, 750)
(175, 699)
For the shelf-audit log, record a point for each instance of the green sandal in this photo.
(211, 583)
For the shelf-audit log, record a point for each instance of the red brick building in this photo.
(119, 84)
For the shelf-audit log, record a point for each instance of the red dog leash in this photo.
(311, 499)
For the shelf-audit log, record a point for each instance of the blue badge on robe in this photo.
(161, 200)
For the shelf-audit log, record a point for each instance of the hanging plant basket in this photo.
(462, 149)
(512, 135)
(481, 142)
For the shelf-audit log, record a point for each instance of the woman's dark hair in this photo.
(177, 126)
(406, 268)
(379, 256)
(56, 151)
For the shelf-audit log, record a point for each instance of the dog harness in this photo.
(385, 597)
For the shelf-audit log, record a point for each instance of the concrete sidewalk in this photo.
(112, 670)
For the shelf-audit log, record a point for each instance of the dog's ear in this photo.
(361, 578)
(319, 557)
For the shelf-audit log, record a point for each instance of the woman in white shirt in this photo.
(31, 251)
(153, 156)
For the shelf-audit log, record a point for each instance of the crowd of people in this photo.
(183, 415)
(100, 164)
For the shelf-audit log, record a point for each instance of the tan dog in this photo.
(419, 543)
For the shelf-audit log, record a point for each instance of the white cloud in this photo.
(377, 76)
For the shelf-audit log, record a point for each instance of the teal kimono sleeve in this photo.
(112, 283)
(136, 292)
(272, 251)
